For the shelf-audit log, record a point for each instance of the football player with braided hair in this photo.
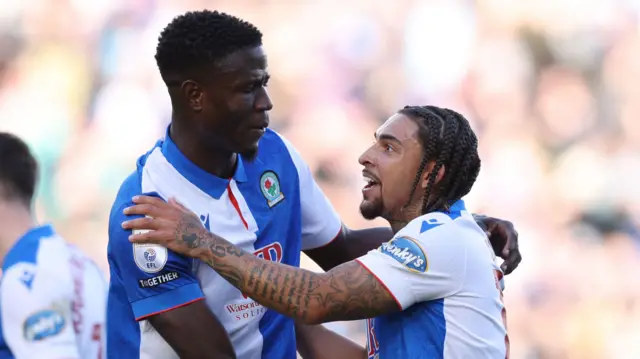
(432, 291)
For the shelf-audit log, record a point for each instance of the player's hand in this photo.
(504, 240)
(168, 224)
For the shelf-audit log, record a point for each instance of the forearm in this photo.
(348, 292)
(288, 290)
(201, 338)
(318, 342)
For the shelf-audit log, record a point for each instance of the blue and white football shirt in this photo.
(441, 270)
(53, 300)
(271, 207)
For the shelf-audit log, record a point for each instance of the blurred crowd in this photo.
(548, 85)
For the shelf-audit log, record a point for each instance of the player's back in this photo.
(442, 270)
(52, 300)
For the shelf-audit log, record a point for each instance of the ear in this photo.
(194, 94)
(427, 171)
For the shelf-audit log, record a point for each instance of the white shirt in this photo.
(52, 300)
(442, 272)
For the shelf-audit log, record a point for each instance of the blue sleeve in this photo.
(155, 279)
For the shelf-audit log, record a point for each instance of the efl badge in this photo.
(270, 187)
(150, 258)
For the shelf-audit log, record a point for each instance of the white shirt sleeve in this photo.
(36, 314)
(416, 270)
(320, 222)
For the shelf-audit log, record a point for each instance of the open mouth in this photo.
(370, 181)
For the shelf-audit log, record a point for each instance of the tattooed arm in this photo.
(347, 292)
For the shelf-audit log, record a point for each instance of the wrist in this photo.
(201, 248)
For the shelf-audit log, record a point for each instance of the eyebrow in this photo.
(387, 137)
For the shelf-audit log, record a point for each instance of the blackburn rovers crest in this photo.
(270, 187)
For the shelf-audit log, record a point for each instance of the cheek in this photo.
(241, 102)
(396, 188)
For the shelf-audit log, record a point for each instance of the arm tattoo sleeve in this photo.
(347, 292)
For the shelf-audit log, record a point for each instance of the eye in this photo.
(388, 148)
(255, 86)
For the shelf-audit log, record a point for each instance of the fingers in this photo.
(142, 199)
(142, 209)
(155, 237)
(145, 223)
(512, 262)
(512, 239)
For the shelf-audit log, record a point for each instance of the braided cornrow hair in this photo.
(448, 140)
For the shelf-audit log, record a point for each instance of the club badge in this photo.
(270, 187)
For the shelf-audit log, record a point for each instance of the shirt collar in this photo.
(205, 181)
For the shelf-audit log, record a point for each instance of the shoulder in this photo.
(429, 225)
(276, 147)
(41, 268)
(433, 232)
(24, 251)
(272, 143)
(130, 187)
(38, 243)
(457, 224)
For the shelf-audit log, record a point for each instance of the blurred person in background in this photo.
(433, 291)
(52, 296)
(221, 160)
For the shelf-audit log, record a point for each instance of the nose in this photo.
(263, 101)
(366, 158)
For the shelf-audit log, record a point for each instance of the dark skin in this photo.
(217, 115)
(346, 292)
(207, 337)
(318, 342)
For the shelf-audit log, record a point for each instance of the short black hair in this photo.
(200, 38)
(18, 169)
(448, 139)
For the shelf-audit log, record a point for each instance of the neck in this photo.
(215, 161)
(15, 220)
(403, 216)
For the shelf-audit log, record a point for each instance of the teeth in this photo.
(368, 180)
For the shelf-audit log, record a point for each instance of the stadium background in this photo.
(549, 86)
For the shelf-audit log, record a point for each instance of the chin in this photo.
(249, 153)
(249, 156)
(371, 210)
